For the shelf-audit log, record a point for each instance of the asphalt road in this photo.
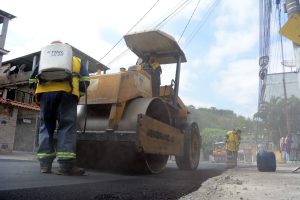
(22, 180)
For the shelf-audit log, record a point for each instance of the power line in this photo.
(119, 56)
(178, 7)
(172, 13)
(189, 21)
(131, 29)
(157, 21)
(202, 22)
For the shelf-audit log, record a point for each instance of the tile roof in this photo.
(19, 104)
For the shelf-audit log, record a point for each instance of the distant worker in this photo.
(154, 69)
(281, 148)
(233, 139)
(287, 148)
(58, 99)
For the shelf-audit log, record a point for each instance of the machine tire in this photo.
(192, 145)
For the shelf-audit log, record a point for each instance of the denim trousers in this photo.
(57, 110)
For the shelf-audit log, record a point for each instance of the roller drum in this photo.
(120, 155)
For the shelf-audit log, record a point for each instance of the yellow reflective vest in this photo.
(52, 86)
(233, 141)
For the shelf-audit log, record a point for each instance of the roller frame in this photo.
(152, 136)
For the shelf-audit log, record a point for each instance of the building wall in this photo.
(26, 126)
(8, 118)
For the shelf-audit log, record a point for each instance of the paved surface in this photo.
(246, 183)
(20, 179)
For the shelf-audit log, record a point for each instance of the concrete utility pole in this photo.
(4, 19)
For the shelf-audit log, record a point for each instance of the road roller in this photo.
(122, 126)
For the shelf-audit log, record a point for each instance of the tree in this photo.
(214, 124)
(274, 116)
(209, 137)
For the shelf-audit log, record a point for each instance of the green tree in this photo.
(209, 137)
(274, 116)
(214, 124)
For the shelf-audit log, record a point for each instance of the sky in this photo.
(220, 41)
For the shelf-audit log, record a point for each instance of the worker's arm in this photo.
(84, 81)
(33, 79)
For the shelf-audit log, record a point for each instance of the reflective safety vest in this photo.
(233, 141)
(52, 86)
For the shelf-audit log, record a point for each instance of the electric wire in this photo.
(123, 53)
(202, 22)
(159, 25)
(178, 8)
(130, 29)
(265, 9)
(171, 17)
(189, 21)
(158, 21)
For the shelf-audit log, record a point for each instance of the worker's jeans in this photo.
(61, 108)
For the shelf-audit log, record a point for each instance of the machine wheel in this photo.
(192, 145)
(156, 163)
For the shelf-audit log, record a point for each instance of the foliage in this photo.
(218, 118)
(214, 123)
(209, 137)
(274, 116)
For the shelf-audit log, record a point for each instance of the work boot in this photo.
(45, 168)
(73, 171)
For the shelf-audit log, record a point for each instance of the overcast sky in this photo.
(220, 43)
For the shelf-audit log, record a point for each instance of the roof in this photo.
(94, 65)
(163, 45)
(5, 14)
(19, 104)
(27, 59)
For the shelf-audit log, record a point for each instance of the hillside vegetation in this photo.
(214, 124)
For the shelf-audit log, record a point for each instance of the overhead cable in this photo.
(131, 29)
(189, 21)
(202, 22)
(178, 8)
(158, 26)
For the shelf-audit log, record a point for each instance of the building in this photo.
(4, 19)
(18, 112)
(274, 86)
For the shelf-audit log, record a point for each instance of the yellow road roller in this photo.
(122, 126)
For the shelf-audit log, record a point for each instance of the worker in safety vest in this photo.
(58, 104)
(153, 67)
(232, 145)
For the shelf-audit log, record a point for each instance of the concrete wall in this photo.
(8, 118)
(25, 137)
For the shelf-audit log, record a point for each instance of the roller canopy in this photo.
(163, 45)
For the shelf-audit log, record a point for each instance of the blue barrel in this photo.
(266, 161)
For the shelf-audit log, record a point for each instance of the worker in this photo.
(58, 104)
(154, 69)
(233, 139)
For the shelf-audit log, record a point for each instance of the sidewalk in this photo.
(245, 182)
(18, 155)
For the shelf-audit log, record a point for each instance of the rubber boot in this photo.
(73, 171)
